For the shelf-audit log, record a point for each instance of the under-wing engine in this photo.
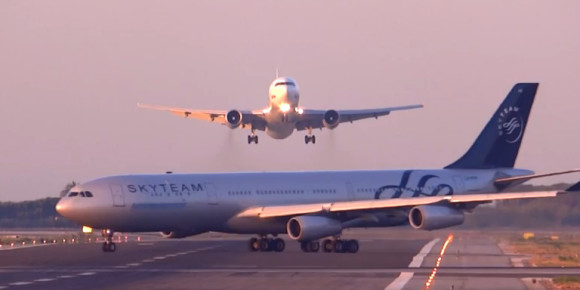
(432, 217)
(234, 119)
(308, 228)
(331, 119)
(178, 234)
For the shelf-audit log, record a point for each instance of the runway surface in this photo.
(400, 260)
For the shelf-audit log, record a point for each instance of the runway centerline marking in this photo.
(44, 280)
(21, 283)
(404, 277)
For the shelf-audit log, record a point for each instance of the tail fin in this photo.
(498, 144)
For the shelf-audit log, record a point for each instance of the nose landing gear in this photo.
(109, 246)
(310, 138)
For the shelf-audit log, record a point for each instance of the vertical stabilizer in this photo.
(498, 144)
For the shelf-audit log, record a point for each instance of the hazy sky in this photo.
(71, 73)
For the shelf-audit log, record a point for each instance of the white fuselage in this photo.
(283, 98)
(196, 203)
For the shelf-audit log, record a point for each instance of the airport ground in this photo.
(396, 258)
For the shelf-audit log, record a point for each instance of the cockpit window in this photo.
(284, 83)
(82, 194)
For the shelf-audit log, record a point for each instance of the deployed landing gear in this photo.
(340, 246)
(265, 244)
(310, 246)
(310, 138)
(252, 138)
(108, 246)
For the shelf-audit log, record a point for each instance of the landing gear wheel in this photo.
(252, 138)
(327, 246)
(313, 139)
(339, 246)
(313, 246)
(352, 246)
(278, 245)
(310, 138)
(109, 247)
(304, 247)
(254, 244)
(265, 245)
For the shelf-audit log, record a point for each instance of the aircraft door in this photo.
(211, 193)
(117, 194)
(350, 191)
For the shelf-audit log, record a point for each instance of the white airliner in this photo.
(283, 115)
(309, 206)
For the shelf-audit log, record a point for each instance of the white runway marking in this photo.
(148, 261)
(20, 283)
(134, 264)
(44, 280)
(86, 274)
(65, 276)
(404, 277)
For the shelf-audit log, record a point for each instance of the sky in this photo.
(72, 72)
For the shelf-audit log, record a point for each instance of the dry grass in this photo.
(546, 252)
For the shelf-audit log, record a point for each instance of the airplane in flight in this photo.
(283, 114)
(318, 205)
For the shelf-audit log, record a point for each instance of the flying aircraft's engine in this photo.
(176, 235)
(432, 217)
(308, 228)
(234, 118)
(331, 118)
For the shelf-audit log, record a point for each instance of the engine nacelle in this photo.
(234, 119)
(177, 234)
(331, 119)
(432, 217)
(308, 228)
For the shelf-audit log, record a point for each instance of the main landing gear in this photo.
(310, 138)
(265, 244)
(330, 245)
(108, 246)
(252, 138)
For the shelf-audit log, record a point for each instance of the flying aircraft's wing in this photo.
(249, 118)
(313, 119)
(300, 209)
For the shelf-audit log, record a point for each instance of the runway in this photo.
(385, 261)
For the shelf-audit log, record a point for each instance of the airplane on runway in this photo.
(310, 206)
(283, 115)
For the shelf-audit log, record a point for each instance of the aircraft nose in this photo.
(63, 207)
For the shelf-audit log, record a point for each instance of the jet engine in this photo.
(432, 217)
(308, 228)
(331, 119)
(178, 234)
(234, 119)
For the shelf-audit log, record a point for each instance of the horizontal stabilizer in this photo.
(575, 187)
(507, 180)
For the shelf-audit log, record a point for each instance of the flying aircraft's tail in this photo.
(498, 144)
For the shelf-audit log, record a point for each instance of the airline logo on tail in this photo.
(510, 124)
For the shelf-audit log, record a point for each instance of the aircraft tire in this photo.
(339, 246)
(278, 245)
(313, 139)
(265, 245)
(314, 246)
(254, 244)
(327, 246)
(352, 246)
(304, 247)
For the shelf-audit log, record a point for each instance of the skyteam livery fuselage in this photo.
(309, 206)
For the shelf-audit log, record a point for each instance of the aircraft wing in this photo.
(314, 208)
(314, 118)
(254, 118)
